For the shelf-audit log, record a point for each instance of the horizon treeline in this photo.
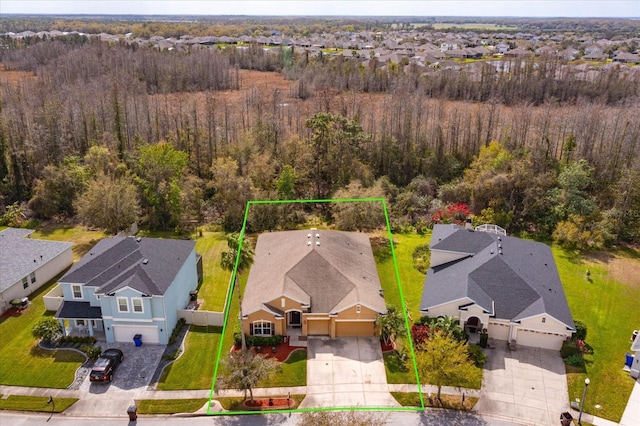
(532, 149)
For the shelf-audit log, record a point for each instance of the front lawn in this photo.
(397, 371)
(170, 406)
(36, 403)
(609, 308)
(293, 372)
(194, 369)
(22, 362)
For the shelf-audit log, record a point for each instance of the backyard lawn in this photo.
(216, 280)
(82, 239)
(608, 305)
(22, 362)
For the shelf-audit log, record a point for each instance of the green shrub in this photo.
(575, 360)
(581, 331)
(171, 356)
(476, 354)
(48, 329)
(176, 330)
(93, 352)
(484, 340)
(569, 348)
(421, 258)
(237, 338)
(264, 340)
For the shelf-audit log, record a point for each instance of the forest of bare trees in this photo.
(565, 152)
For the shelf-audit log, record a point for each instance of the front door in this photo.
(295, 319)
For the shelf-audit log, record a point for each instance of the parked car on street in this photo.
(105, 365)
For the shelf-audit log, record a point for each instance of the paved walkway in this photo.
(631, 415)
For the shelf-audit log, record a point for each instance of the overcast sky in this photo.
(537, 8)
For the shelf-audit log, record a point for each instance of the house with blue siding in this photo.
(125, 286)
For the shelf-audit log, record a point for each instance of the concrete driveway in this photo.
(136, 370)
(528, 386)
(346, 372)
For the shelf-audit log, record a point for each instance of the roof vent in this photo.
(317, 235)
(308, 243)
(499, 245)
(145, 261)
(138, 239)
(500, 251)
(308, 235)
(317, 243)
(499, 238)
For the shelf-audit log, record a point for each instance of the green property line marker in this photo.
(234, 283)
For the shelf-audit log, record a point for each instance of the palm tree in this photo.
(237, 258)
(449, 326)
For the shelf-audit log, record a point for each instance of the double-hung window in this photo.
(123, 304)
(136, 302)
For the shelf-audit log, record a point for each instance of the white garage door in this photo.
(498, 331)
(539, 340)
(125, 333)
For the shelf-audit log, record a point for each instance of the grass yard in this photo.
(293, 372)
(82, 239)
(398, 372)
(412, 399)
(194, 369)
(216, 280)
(411, 279)
(170, 406)
(22, 362)
(35, 403)
(609, 308)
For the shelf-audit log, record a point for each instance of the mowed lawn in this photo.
(611, 312)
(194, 369)
(215, 280)
(22, 362)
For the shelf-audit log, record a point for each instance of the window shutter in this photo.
(251, 329)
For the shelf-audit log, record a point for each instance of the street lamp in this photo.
(584, 395)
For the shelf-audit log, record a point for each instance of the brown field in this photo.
(623, 269)
(14, 77)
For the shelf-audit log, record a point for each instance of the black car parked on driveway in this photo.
(105, 365)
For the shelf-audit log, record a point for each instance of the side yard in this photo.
(607, 303)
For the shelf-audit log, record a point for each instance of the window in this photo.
(32, 277)
(544, 320)
(261, 328)
(80, 323)
(123, 305)
(25, 282)
(137, 305)
(77, 291)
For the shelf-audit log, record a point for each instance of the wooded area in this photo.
(190, 137)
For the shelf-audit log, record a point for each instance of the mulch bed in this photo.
(283, 350)
(269, 404)
(12, 312)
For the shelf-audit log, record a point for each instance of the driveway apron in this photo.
(346, 372)
(528, 386)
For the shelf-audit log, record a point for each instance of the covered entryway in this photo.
(318, 327)
(125, 333)
(294, 319)
(354, 328)
(473, 325)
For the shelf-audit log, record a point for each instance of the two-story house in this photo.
(126, 286)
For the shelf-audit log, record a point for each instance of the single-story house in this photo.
(504, 286)
(27, 263)
(312, 283)
(126, 286)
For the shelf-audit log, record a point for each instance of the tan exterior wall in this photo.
(450, 309)
(278, 324)
(289, 304)
(550, 324)
(474, 311)
(352, 313)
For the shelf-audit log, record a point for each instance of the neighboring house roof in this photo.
(508, 277)
(338, 273)
(22, 256)
(78, 310)
(148, 265)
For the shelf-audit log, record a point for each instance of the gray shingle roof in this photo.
(21, 256)
(148, 265)
(332, 276)
(78, 310)
(520, 282)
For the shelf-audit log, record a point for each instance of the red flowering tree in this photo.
(452, 213)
